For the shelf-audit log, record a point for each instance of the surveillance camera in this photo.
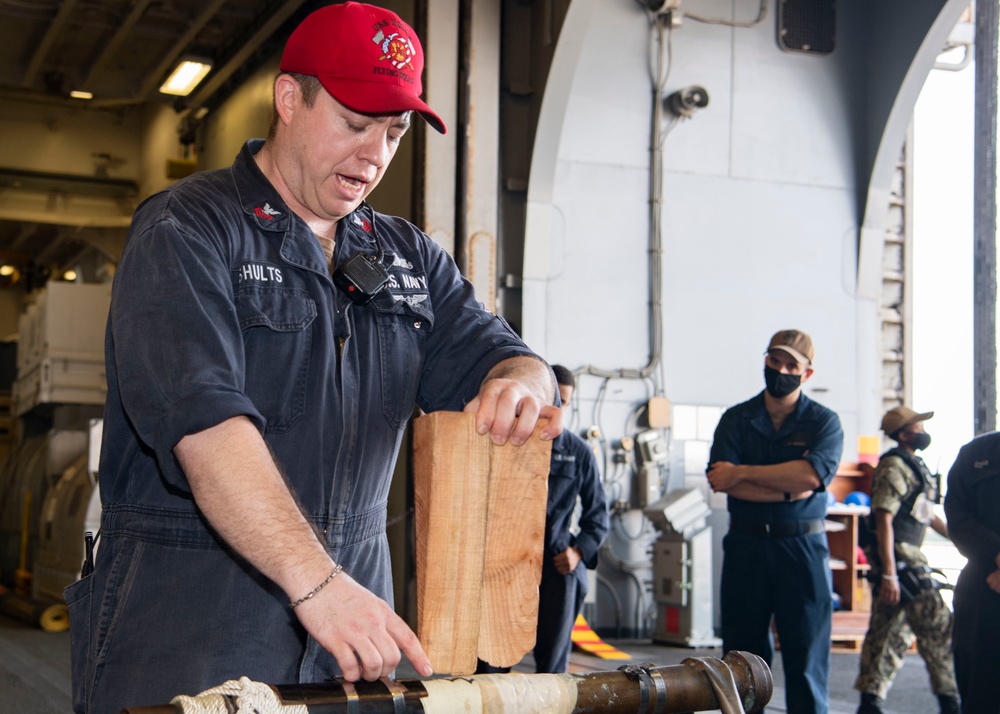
(661, 6)
(685, 102)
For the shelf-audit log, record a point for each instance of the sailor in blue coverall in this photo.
(972, 505)
(256, 402)
(774, 455)
(568, 555)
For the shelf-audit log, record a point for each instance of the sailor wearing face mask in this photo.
(773, 456)
(904, 492)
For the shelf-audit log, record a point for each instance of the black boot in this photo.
(871, 704)
(949, 704)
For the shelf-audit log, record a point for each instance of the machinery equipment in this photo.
(682, 569)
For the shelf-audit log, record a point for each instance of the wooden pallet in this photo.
(849, 628)
(846, 643)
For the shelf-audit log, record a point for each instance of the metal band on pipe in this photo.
(397, 690)
(660, 705)
(351, 694)
(638, 674)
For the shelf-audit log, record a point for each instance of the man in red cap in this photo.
(269, 335)
(907, 601)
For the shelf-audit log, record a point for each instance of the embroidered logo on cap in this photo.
(396, 48)
(266, 212)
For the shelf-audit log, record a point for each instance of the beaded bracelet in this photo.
(312, 593)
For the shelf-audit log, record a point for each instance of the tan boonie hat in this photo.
(798, 344)
(896, 419)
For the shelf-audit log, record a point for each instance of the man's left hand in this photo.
(509, 410)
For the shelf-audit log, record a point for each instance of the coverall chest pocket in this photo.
(986, 486)
(792, 446)
(402, 336)
(562, 478)
(562, 471)
(277, 326)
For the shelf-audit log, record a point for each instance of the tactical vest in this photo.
(906, 528)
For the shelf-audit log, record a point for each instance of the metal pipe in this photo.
(739, 682)
(464, 110)
(984, 258)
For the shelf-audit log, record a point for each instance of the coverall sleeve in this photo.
(727, 443)
(594, 520)
(467, 339)
(178, 349)
(824, 453)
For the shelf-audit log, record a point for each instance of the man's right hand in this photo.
(361, 631)
(723, 476)
(566, 562)
(993, 580)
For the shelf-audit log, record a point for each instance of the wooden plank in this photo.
(515, 538)
(480, 522)
(451, 477)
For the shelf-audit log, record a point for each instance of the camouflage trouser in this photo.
(890, 631)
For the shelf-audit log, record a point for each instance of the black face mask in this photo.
(920, 441)
(780, 385)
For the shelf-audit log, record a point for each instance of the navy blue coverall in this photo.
(223, 305)
(766, 572)
(573, 473)
(972, 506)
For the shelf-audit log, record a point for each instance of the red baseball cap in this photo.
(366, 57)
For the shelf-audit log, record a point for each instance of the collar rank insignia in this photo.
(265, 212)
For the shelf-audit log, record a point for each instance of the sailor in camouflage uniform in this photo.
(903, 496)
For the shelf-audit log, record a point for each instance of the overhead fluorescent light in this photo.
(78, 94)
(186, 76)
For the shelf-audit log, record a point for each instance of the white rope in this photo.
(250, 698)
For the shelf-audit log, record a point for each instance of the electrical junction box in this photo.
(658, 413)
(652, 447)
(682, 570)
(682, 588)
(653, 452)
